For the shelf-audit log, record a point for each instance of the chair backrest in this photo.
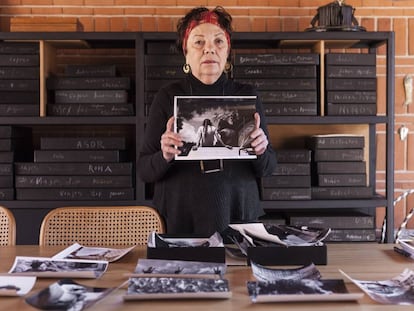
(7, 227)
(100, 225)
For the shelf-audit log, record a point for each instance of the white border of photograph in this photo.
(16, 285)
(232, 121)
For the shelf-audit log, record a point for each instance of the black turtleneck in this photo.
(190, 201)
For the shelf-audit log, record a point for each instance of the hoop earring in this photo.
(186, 68)
(228, 67)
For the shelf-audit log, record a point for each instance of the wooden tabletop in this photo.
(365, 261)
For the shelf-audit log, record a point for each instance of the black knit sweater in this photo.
(192, 202)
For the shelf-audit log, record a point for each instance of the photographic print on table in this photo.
(398, 290)
(67, 295)
(187, 267)
(215, 127)
(58, 268)
(284, 290)
(77, 251)
(176, 287)
(295, 284)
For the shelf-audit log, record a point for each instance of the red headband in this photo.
(209, 17)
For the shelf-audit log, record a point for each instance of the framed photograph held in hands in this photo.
(215, 127)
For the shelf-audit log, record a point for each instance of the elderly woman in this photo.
(191, 200)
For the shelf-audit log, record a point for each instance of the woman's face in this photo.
(207, 51)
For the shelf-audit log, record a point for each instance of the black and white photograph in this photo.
(215, 127)
(67, 295)
(259, 234)
(77, 251)
(179, 287)
(58, 268)
(266, 274)
(162, 266)
(304, 283)
(16, 285)
(299, 235)
(157, 240)
(398, 290)
(300, 290)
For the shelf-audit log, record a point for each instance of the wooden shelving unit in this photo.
(53, 45)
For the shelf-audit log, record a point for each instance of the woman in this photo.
(207, 135)
(191, 201)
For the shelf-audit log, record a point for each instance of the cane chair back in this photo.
(7, 227)
(100, 226)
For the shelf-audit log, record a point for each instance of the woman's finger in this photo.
(169, 141)
(256, 120)
(170, 125)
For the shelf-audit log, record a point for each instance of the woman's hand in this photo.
(169, 141)
(259, 138)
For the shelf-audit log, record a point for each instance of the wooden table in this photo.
(365, 261)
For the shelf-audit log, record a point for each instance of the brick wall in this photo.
(259, 15)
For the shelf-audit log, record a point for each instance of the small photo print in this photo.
(145, 288)
(77, 251)
(215, 127)
(176, 267)
(53, 268)
(300, 290)
(67, 295)
(397, 290)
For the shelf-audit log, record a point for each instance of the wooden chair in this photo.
(7, 227)
(100, 225)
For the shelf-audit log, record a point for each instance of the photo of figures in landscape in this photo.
(215, 127)
(54, 268)
(163, 266)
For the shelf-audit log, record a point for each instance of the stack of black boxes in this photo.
(339, 168)
(346, 225)
(163, 64)
(19, 79)
(291, 179)
(15, 143)
(89, 90)
(351, 84)
(76, 168)
(339, 172)
(286, 83)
